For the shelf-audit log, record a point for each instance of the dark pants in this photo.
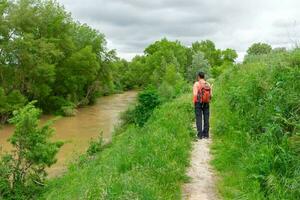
(202, 109)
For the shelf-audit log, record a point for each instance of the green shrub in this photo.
(23, 170)
(255, 125)
(69, 110)
(128, 116)
(95, 145)
(147, 101)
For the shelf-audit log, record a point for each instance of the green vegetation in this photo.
(148, 100)
(141, 163)
(22, 172)
(259, 49)
(256, 127)
(46, 56)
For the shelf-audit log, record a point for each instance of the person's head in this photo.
(201, 75)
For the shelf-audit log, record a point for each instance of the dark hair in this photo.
(201, 75)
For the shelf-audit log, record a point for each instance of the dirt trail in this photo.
(201, 186)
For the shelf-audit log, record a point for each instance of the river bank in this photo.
(146, 162)
(77, 131)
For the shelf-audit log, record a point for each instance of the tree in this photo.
(40, 44)
(172, 84)
(211, 54)
(162, 53)
(78, 74)
(259, 49)
(23, 170)
(199, 63)
(229, 55)
(136, 73)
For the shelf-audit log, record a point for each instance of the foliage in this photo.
(162, 54)
(217, 59)
(45, 55)
(134, 74)
(256, 128)
(148, 100)
(79, 74)
(63, 64)
(96, 146)
(141, 163)
(10, 102)
(207, 47)
(23, 170)
(229, 55)
(199, 63)
(259, 49)
(173, 84)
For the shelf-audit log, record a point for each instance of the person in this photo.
(202, 105)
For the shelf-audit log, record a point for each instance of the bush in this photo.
(69, 110)
(255, 124)
(147, 101)
(95, 145)
(23, 170)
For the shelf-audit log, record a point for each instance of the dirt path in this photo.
(201, 186)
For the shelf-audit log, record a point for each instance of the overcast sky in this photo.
(131, 25)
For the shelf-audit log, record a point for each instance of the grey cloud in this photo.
(131, 25)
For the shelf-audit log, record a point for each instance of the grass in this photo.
(256, 128)
(141, 163)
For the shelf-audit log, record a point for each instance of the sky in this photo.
(131, 25)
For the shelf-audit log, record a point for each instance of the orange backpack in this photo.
(204, 93)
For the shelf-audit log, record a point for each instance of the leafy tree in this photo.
(78, 74)
(173, 84)
(199, 63)
(135, 73)
(217, 59)
(23, 170)
(162, 53)
(229, 55)
(40, 45)
(259, 49)
(211, 54)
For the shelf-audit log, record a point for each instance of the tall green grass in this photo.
(146, 162)
(256, 128)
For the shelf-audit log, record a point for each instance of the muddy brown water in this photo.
(77, 131)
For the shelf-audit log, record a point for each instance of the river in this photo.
(77, 131)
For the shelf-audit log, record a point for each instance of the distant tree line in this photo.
(62, 64)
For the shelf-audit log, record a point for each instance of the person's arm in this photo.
(195, 91)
